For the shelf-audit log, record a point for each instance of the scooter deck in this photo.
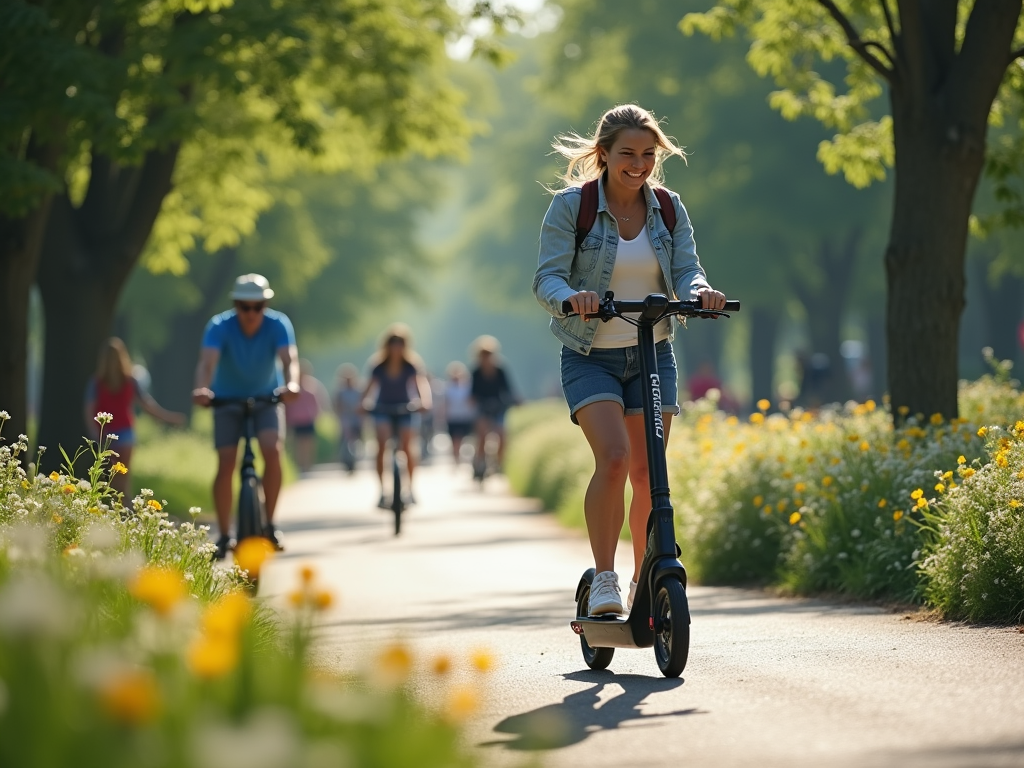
(611, 632)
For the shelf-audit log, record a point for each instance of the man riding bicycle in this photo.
(239, 359)
(491, 391)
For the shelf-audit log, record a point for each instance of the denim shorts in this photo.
(405, 420)
(229, 422)
(614, 374)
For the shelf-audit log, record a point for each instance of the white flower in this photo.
(4, 415)
(267, 740)
(103, 418)
(855, 532)
(145, 493)
(33, 605)
(193, 511)
(112, 436)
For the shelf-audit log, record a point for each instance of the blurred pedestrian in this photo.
(492, 395)
(115, 390)
(459, 413)
(397, 381)
(703, 381)
(300, 415)
(348, 398)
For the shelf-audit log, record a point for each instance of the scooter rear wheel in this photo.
(595, 658)
(671, 627)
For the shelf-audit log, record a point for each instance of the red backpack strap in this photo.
(668, 211)
(588, 211)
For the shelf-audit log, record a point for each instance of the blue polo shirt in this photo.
(248, 365)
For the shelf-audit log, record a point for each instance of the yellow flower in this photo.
(903, 444)
(800, 487)
(131, 697)
(1014, 503)
(732, 421)
(936, 419)
(826, 480)
(252, 553)
(897, 515)
(961, 459)
(882, 504)
(159, 587)
(966, 472)
(757, 418)
(55, 477)
(394, 664)
(835, 460)
(787, 474)
(25, 484)
(56, 519)
(917, 494)
(482, 660)
(767, 509)
(1018, 427)
(921, 503)
(119, 469)
(781, 506)
(794, 518)
(903, 410)
(154, 504)
(940, 487)
(306, 574)
(763, 404)
(211, 657)
(758, 500)
(463, 701)
(322, 599)
(982, 431)
(870, 406)
(1001, 459)
(853, 438)
(441, 664)
(947, 474)
(94, 510)
(69, 488)
(864, 446)
(225, 617)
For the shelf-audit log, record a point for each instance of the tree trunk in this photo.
(87, 256)
(764, 330)
(173, 367)
(941, 99)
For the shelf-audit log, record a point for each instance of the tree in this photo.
(947, 68)
(362, 78)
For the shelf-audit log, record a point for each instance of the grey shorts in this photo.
(229, 426)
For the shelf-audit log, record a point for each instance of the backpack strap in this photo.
(668, 211)
(588, 211)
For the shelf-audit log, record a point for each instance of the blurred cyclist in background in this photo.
(492, 395)
(459, 413)
(396, 380)
(301, 415)
(348, 399)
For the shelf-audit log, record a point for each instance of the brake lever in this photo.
(712, 313)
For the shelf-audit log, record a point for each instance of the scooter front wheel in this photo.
(671, 627)
(595, 658)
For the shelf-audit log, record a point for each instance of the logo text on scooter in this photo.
(659, 427)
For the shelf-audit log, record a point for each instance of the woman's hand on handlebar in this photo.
(711, 299)
(202, 396)
(585, 303)
(288, 392)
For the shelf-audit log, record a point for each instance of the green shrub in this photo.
(973, 565)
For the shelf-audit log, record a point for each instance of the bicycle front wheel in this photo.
(251, 514)
(397, 504)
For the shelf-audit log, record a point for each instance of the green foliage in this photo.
(835, 502)
(121, 644)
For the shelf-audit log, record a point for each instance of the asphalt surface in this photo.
(770, 682)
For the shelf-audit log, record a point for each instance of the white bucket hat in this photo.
(252, 287)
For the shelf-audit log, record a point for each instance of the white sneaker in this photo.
(604, 594)
(631, 595)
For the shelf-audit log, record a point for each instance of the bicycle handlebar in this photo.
(220, 402)
(654, 307)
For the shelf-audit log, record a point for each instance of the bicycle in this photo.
(661, 613)
(252, 505)
(395, 414)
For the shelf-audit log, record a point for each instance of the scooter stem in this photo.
(664, 543)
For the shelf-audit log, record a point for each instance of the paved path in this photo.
(770, 682)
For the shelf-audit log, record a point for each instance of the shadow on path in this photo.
(582, 714)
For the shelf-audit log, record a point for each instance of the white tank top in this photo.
(636, 275)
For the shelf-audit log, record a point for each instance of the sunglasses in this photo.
(241, 306)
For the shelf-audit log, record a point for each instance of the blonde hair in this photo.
(397, 331)
(114, 366)
(584, 152)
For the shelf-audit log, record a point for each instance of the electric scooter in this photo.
(660, 616)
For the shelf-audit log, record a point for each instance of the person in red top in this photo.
(114, 390)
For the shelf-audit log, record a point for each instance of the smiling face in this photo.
(631, 158)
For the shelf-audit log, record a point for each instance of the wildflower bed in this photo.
(121, 644)
(833, 502)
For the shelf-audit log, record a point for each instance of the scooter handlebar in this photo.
(687, 307)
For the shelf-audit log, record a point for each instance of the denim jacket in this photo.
(561, 272)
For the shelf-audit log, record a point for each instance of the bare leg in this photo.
(383, 435)
(499, 430)
(226, 458)
(270, 447)
(305, 451)
(410, 455)
(605, 429)
(123, 483)
(639, 479)
(457, 449)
